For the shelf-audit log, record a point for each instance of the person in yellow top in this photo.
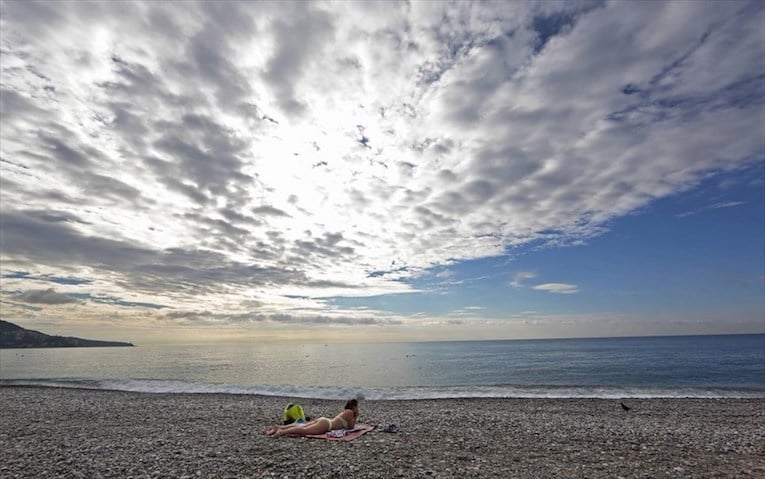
(346, 419)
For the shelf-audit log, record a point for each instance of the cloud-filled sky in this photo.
(382, 170)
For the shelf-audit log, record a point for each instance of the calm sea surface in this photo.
(679, 366)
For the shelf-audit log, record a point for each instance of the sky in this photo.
(382, 171)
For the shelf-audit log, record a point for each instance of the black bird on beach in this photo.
(626, 408)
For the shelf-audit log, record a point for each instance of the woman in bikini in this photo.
(345, 420)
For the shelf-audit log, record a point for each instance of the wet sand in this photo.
(49, 432)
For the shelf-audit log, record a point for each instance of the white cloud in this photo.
(193, 152)
(445, 274)
(521, 277)
(716, 206)
(557, 288)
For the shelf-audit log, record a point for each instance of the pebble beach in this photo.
(51, 432)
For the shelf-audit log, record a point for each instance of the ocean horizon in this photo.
(709, 366)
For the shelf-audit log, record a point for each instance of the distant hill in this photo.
(13, 336)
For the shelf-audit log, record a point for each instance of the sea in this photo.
(731, 366)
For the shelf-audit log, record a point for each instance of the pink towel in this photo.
(345, 434)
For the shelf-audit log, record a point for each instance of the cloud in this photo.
(45, 296)
(300, 37)
(207, 317)
(171, 271)
(269, 211)
(468, 312)
(520, 277)
(66, 280)
(207, 152)
(111, 300)
(557, 288)
(716, 206)
(446, 274)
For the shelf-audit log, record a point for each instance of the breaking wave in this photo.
(387, 394)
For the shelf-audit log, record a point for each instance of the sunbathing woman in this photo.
(345, 420)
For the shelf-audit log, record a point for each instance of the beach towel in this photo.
(345, 434)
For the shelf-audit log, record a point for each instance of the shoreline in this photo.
(150, 386)
(62, 432)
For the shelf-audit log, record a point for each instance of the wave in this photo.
(388, 394)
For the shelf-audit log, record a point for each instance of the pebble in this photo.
(48, 432)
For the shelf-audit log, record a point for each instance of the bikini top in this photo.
(343, 421)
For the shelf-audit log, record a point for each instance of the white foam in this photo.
(395, 393)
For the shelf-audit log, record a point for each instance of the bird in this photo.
(626, 408)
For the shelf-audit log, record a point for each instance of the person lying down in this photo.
(346, 419)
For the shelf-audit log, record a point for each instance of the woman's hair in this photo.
(351, 404)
